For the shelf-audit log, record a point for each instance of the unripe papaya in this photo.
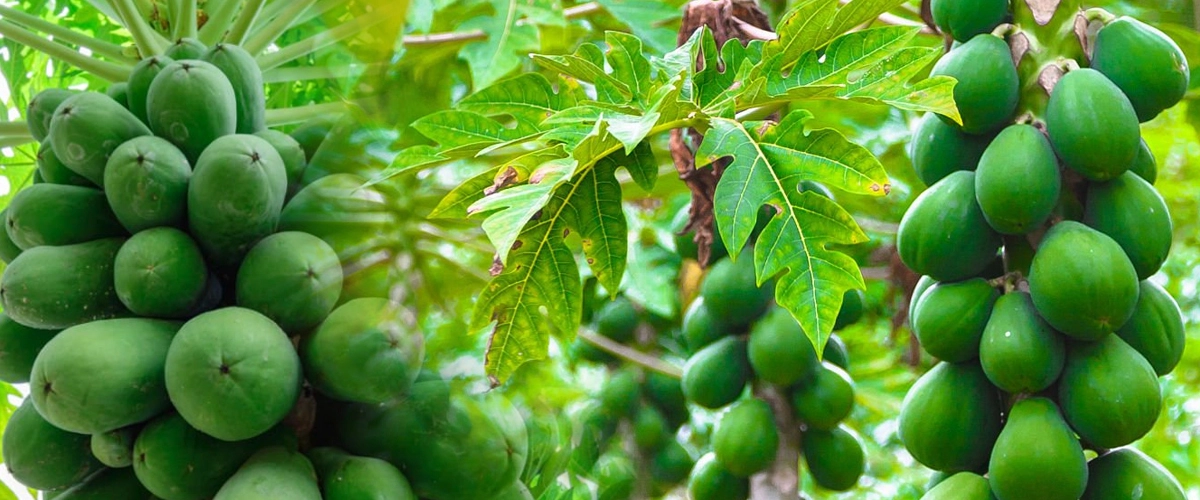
(119, 92)
(711, 481)
(961, 486)
(944, 234)
(272, 473)
(835, 458)
(106, 484)
(1108, 392)
(671, 465)
(746, 439)
(1037, 455)
(1156, 328)
(191, 103)
(139, 83)
(87, 128)
(41, 109)
(700, 327)
(1129, 473)
(1144, 62)
(57, 215)
(988, 86)
(963, 19)
(353, 219)
(950, 318)
(186, 48)
(1092, 126)
(619, 396)
(19, 347)
(292, 154)
(618, 320)
(362, 352)
(1017, 183)
(923, 285)
(8, 249)
(851, 311)
(53, 171)
(1081, 282)
(823, 402)
(1020, 352)
(59, 287)
(246, 78)
(666, 394)
(939, 149)
(115, 448)
(160, 273)
(348, 477)
(42, 456)
(716, 375)
(1144, 164)
(779, 351)
(650, 429)
(313, 132)
(1129, 210)
(235, 197)
(950, 418)
(146, 182)
(731, 291)
(294, 278)
(835, 352)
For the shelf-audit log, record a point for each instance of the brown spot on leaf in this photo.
(497, 267)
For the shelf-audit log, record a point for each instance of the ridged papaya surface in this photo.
(1037, 455)
(1020, 352)
(950, 318)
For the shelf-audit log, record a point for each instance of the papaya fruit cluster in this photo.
(1037, 237)
(175, 287)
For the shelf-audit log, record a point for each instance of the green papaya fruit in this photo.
(347, 477)
(619, 396)
(353, 219)
(186, 48)
(313, 132)
(1148, 67)
(746, 439)
(961, 486)
(1037, 455)
(711, 481)
(923, 285)
(232, 373)
(825, 400)
(1129, 210)
(53, 170)
(778, 350)
(618, 320)
(160, 273)
(650, 429)
(666, 394)
(19, 347)
(1156, 328)
(57, 215)
(700, 326)
(988, 86)
(1082, 282)
(944, 234)
(115, 448)
(108, 484)
(146, 182)
(87, 128)
(191, 103)
(1129, 473)
(271, 474)
(716, 375)
(177, 462)
(448, 445)
(950, 318)
(950, 418)
(615, 476)
(294, 278)
(235, 197)
(1017, 183)
(139, 83)
(731, 292)
(835, 458)
(851, 311)
(1108, 392)
(42, 456)
(363, 352)
(672, 464)
(40, 110)
(1144, 164)
(119, 92)
(939, 149)
(835, 352)
(57, 287)
(247, 81)
(9, 250)
(1020, 352)
(1092, 125)
(103, 375)
(292, 154)
(963, 19)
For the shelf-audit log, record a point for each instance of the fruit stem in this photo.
(318, 41)
(1004, 30)
(185, 19)
(149, 42)
(245, 19)
(630, 355)
(286, 116)
(14, 141)
(103, 69)
(106, 49)
(1099, 14)
(1068, 65)
(781, 480)
(220, 17)
(264, 35)
(11, 129)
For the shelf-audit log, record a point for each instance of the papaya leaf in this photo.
(888, 83)
(595, 210)
(837, 64)
(497, 56)
(584, 66)
(543, 12)
(641, 164)
(767, 169)
(515, 206)
(457, 130)
(814, 24)
(411, 158)
(457, 203)
(529, 98)
(629, 65)
(681, 63)
(645, 18)
(650, 277)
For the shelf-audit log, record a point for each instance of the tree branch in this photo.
(149, 42)
(185, 20)
(266, 34)
(630, 355)
(220, 18)
(245, 19)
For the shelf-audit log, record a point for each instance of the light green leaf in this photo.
(586, 64)
(641, 164)
(497, 56)
(528, 98)
(543, 12)
(411, 158)
(457, 131)
(843, 60)
(594, 209)
(812, 25)
(646, 19)
(515, 206)
(629, 65)
(456, 204)
(681, 63)
(650, 278)
(888, 83)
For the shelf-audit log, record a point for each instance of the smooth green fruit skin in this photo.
(619, 396)
(1093, 127)
(1156, 328)
(746, 439)
(618, 320)
(1144, 164)
(650, 430)
(835, 458)
(950, 418)
(42, 456)
(57, 215)
(87, 128)
(923, 285)
(666, 394)
(19, 347)
(951, 318)
(115, 448)
(731, 294)
(1017, 183)
(160, 273)
(363, 353)
(313, 132)
(336, 208)
(1037, 455)
(615, 476)
(41, 109)
(294, 161)
(271, 474)
(58, 287)
(939, 149)
(716, 375)
(1082, 283)
(247, 81)
(139, 83)
(108, 484)
(191, 103)
(672, 464)
(700, 327)
(988, 86)
(186, 48)
(9, 251)
(961, 486)
(119, 92)
(52, 169)
(1128, 473)
(963, 19)
(146, 183)
(1144, 62)
(294, 278)
(347, 477)
(779, 351)
(1109, 393)
(1020, 352)
(944, 234)
(103, 375)
(835, 352)
(447, 444)
(235, 197)
(232, 373)
(710, 481)
(826, 400)
(1129, 210)
(851, 310)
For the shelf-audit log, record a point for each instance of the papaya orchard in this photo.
(484, 249)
